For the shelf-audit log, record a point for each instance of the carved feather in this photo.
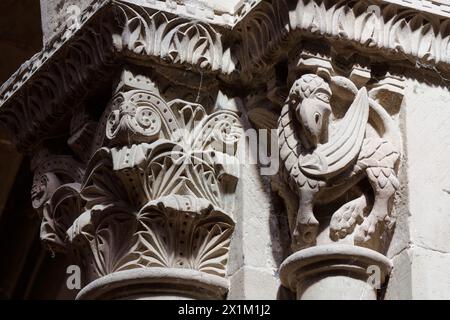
(334, 156)
(263, 118)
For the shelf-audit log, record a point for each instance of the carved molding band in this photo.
(57, 84)
(438, 7)
(174, 40)
(156, 283)
(398, 33)
(114, 30)
(309, 271)
(223, 13)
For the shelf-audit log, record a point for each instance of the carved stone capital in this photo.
(150, 205)
(137, 183)
(338, 147)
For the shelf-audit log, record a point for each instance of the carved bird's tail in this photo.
(345, 219)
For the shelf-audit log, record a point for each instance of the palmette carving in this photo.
(372, 26)
(321, 163)
(184, 232)
(174, 40)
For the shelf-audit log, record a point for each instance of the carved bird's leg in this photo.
(384, 183)
(306, 225)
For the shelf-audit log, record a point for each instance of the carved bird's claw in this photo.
(366, 230)
(305, 232)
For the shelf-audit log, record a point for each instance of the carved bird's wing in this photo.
(263, 118)
(334, 156)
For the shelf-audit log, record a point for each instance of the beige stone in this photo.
(134, 118)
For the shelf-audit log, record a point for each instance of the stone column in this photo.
(143, 203)
(335, 272)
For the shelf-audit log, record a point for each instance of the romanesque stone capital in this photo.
(149, 205)
(339, 150)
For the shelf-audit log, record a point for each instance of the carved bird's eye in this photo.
(323, 97)
(293, 101)
(317, 117)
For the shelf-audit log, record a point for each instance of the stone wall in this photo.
(426, 115)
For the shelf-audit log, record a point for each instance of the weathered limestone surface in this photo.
(400, 280)
(429, 274)
(427, 134)
(135, 113)
(256, 249)
(420, 256)
(427, 117)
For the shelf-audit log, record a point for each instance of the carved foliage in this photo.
(154, 192)
(175, 40)
(56, 76)
(182, 231)
(377, 26)
(46, 97)
(397, 31)
(261, 35)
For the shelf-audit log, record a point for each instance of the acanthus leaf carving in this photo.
(152, 194)
(58, 215)
(112, 30)
(183, 231)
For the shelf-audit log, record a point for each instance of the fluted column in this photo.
(146, 213)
